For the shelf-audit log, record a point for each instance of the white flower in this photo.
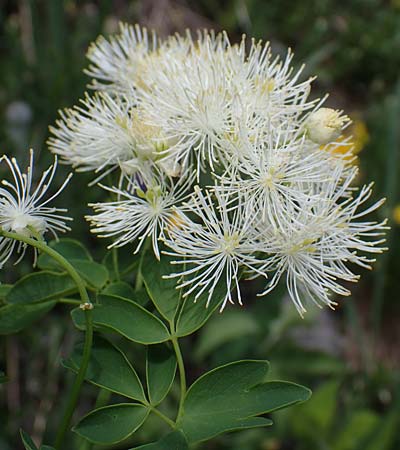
(314, 249)
(169, 111)
(144, 209)
(24, 209)
(276, 173)
(96, 135)
(325, 125)
(105, 133)
(115, 63)
(216, 249)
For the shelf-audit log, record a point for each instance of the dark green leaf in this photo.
(160, 371)
(46, 447)
(4, 290)
(162, 292)
(94, 273)
(40, 287)
(27, 441)
(194, 314)
(126, 318)
(120, 288)
(229, 397)
(111, 424)
(69, 248)
(173, 441)
(14, 318)
(108, 368)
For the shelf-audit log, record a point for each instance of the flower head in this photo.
(24, 209)
(232, 116)
(145, 208)
(214, 247)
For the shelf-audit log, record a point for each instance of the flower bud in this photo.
(325, 125)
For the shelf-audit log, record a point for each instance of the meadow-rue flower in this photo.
(315, 246)
(275, 195)
(144, 209)
(97, 135)
(115, 62)
(24, 208)
(217, 246)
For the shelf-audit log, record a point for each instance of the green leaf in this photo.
(385, 433)
(126, 318)
(123, 289)
(317, 415)
(120, 288)
(166, 297)
(223, 328)
(92, 272)
(109, 369)
(357, 429)
(14, 318)
(162, 292)
(27, 441)
(69, 248)
(228, 398)
(127, 262)
(160, 371)
(173, 441)
(111, 424)
(46, 447)
(4, 290)
(195, 314)
(95, 274)
(40, 287)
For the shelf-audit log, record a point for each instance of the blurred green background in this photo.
(351, 358)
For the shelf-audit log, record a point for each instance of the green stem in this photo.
(85, 302)
(166, 419)
(69, 301)
(139, 277)
(182, 376)
(43, 247)
(76, 387)
(116, 263)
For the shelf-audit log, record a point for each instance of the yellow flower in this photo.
(396, 215)
(359, 137)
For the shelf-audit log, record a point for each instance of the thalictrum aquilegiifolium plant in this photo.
(217, 167)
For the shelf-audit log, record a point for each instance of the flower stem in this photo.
(116, 263)
(76, 387)
(73, 397)
(182, 376)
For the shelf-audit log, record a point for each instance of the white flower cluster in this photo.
(221, 155)
(25, 209)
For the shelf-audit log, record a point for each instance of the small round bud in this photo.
(325, 125)
(86, 306)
